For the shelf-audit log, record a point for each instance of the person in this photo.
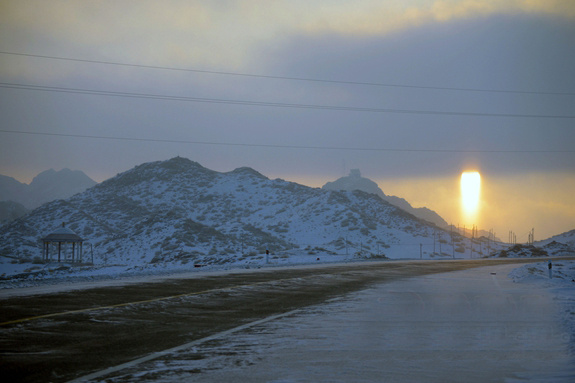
(550, 266)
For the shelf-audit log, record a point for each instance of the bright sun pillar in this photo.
(470, 190)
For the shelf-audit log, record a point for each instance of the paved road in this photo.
(467, 326)
(61, 336)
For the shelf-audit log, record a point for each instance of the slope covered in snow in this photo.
(354, 181)
(567, 238)
(10, 210)
(179, 211)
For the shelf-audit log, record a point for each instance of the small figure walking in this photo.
(550, 266)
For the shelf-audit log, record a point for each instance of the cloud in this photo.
(203, 34)
(222, 34)
(377, 18)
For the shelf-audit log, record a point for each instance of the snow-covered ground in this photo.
(561, 286)
(16, 275)
(491, 324)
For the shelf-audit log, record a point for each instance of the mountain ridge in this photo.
(179, 210)
(354, 181)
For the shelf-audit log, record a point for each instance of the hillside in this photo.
(10, 210)
(560, 244)
(177, 210)
(354, 181)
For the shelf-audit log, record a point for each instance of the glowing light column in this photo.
(470, 193)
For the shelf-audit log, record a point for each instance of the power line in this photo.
(270, 104)
(288, 78)
(174, 141)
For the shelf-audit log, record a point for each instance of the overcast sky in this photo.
(411, 93)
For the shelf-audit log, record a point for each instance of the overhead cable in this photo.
(289, 78)
(174, 141)
(95, 92)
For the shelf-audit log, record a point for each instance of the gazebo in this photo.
(62, 235)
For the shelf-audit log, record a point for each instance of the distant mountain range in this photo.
(178, 210)
(354, 181)
(16, 197)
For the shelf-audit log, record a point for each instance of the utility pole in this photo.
(452, 245)
(531, 237)
(512, 238)
(439, 242)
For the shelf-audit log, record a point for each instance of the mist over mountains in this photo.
(46, 186)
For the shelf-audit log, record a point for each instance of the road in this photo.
(61, 336)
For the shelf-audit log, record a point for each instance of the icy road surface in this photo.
(467, 326)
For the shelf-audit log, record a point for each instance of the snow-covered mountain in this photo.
(567, 238)
(46, 186)
(354, 181)
(177, 210)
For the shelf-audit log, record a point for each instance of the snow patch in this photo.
(561, 285)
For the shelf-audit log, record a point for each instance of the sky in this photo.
(412, 93)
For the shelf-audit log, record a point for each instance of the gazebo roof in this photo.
(62, 234)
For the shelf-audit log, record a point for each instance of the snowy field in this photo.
(491, 324)
(26, 275)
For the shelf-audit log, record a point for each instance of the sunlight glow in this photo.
(470, 191)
